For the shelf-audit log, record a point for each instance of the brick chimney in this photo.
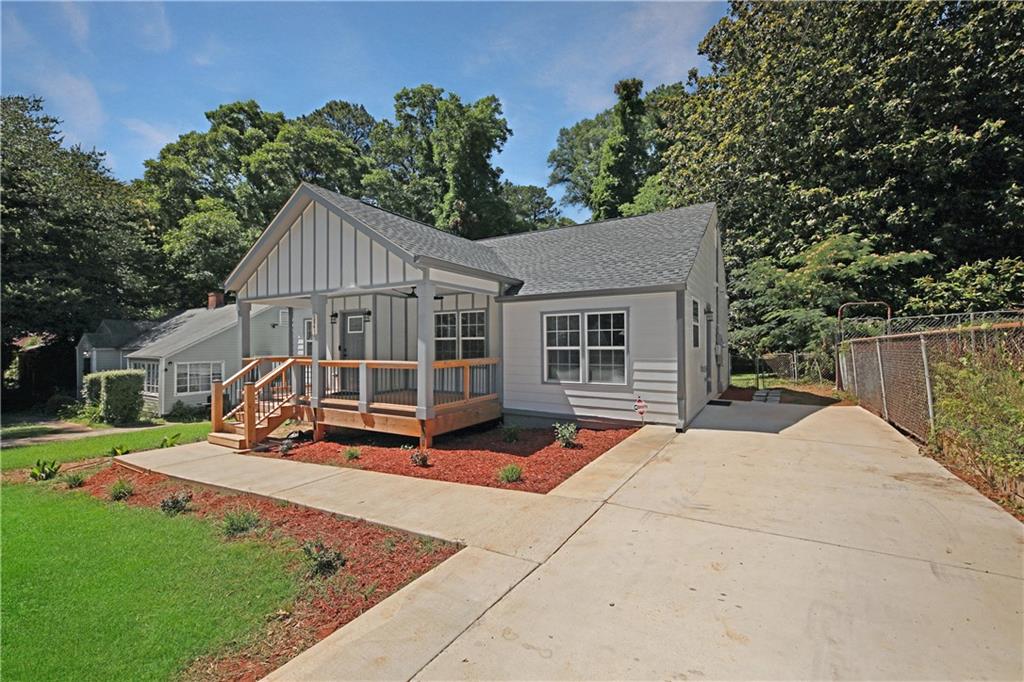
(215, 299)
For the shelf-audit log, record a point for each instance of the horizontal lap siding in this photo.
(651, 360)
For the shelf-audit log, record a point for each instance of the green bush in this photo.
(122, 489)
(118, 451)
(979, 407)
(351, 454)
(117, 393)
(180, 412)
(74, 480)
(43, 470)
(420, 459)
(240, 521)
(321, 559)
(510, 434)
(510, 473)
(169, 441)
(565, 434)
(176, 503)
(83, 412)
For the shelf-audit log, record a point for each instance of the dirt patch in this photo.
(379, 561)
(794, 394)
(471, 456)
(1008, 501)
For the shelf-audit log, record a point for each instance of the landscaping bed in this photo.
(473, 456)
(178, 596)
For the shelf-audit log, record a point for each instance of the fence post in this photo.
(927, 385)
(217, 406)
(881, 378)
(796, 371)
(853, 361)
(249, 410)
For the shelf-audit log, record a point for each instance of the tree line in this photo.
(854, 150)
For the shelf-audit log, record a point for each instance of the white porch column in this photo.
(321, 332)
(425, 348)
(291, 331)
(681, 354)
(244, 308)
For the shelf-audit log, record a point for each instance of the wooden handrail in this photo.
(267, 358)
(281, 369)
(390, 364)
(241, 373)
(471, 362)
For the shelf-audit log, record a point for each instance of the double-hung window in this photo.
(562, 347)
(460, 334)
(196, 377)
(151, 374)
(585, 347)
(696, 323)
(606, 348)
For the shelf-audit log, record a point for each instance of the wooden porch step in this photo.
(228, 440)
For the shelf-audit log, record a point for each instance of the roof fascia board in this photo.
(661, 288)
(431, 262)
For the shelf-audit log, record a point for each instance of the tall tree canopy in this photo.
(78, 245)
(624, 154)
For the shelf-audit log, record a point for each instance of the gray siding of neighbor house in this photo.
(706, 285)
(651, 366)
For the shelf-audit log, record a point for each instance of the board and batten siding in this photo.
(320, 252)
(651, 368)
(706, 285)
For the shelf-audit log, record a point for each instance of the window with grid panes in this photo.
(606, 347)
(562, 347)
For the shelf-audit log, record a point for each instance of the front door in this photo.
(353, 346)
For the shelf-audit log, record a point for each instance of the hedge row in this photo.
(118, 393)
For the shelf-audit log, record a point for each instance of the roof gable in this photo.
(186, 329)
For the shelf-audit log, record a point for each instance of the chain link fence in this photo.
(798, 367)
(892, 374)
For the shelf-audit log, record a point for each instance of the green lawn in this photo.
(27, 430)
(95, 446)
(100, 591)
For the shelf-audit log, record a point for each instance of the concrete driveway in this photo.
(768, 542)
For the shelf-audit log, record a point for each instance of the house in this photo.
(573, 322)
(184, 353)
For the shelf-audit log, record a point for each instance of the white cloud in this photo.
(153, 30)
(151, 137)
(75, 100)
(15, 35)
(78, 22)
(210, 52)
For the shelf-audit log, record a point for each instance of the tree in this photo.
(532, 207)
(78, 245)
(623, 155)
(205, 247)
(351, 120)
(974, 287)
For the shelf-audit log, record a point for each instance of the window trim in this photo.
(145, 366)
(695, 322)
(349, 318)
(545, 347)
(624, 347)
(458, 331)
(211, 363)
(584, 347)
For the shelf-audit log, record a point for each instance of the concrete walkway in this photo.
(73, 431)
(770, 541)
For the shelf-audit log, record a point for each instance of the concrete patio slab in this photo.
(606, 474)
(525, 525)
(396, 638)
(864, 496)
(179, 454)
(637, 595)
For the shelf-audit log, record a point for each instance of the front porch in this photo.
(370, 395)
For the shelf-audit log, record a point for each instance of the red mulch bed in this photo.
(470, 456)
(379, 561)
(796, 394)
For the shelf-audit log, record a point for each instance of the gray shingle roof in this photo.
(656, 249)
(418, 238)
(185, 329)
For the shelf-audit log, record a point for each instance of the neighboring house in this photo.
(101, 350)
(182, 355)
(573, 322)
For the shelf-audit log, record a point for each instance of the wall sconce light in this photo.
(367, 314)
(334, 318)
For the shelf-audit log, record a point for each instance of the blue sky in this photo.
(129, 77)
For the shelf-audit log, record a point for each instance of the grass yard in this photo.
(94, 591)
(97, 446)
(27, 430)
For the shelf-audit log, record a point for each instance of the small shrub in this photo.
(321, 559)
(169, 441)
(58, 402)
(74, 480)
(43, 470)
(180, 412)
(240, 521)
(81, 412)
(351, 454)
(121, 490)
(420, 458)
(510, 434)
(566, 433)
(426, 544)
(119, 394)
(287, 445)
(118, 451)
(176, 503)
(510, 473)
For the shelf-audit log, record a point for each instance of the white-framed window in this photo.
(695, 322)
(473, 334)
(606, 347)
(196, 377)
(563, 348)
(460, 334)
(282, 317)
(354, 324)
(151, 379)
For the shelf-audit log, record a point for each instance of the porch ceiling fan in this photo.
(412, 294)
